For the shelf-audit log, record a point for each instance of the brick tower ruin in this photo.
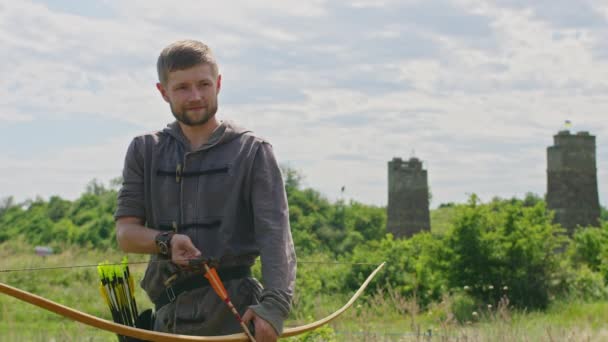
(572, 180)
(408, 198)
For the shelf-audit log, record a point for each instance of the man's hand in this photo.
(183, 250)
(264, 332)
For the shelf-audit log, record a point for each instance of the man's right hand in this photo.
(133, 237)
(182, 250)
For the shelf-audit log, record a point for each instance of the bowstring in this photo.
(45, 268)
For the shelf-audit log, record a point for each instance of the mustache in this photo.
(196, 105)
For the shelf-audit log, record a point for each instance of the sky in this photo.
(475, 89)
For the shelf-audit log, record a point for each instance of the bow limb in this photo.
(164, 337)
(311, 326)
(106, 325)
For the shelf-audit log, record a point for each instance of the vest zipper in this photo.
(178, 179)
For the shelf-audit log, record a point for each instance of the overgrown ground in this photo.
(379, 316)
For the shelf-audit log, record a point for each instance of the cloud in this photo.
(476, 89)
(65, 172)
(560, 13)
(49, 135)
(6, 116)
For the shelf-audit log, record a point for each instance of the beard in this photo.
(192, 120)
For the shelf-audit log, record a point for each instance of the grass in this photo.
(75, 287)
(380, 316)
(390, 318)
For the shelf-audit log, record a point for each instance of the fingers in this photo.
(193, 251)
(264, 332)
(182, 250)
(248, 316)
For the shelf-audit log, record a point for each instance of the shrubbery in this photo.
(87, 221)
(484, 252)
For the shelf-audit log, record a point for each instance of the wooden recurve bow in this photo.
(148, 335)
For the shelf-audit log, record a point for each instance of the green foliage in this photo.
(315, 277)
(318, 225)
(587, 285)
(322, 334)
(531, 199)
(57, 208)
(6, 203)
(442, 218)
(503, 247)
(504, 243)
(587, 273)
(87, 221)
(604, 215)
(590, 247)
(413, 266)
(463, 306)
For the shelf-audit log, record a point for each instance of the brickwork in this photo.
(572, 190)
(408, 198)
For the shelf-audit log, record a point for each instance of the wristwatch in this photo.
(163, 242)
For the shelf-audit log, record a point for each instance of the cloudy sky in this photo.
(476, 89)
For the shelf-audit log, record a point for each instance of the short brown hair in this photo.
(184, 54)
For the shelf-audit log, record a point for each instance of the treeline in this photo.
(505, 248)
(87, 221)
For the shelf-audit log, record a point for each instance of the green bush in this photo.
(589, 247)
(504, 243)
(589, 285)
(486, 246)
(413, 266)
(462, 307)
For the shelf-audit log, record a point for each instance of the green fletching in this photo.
(102, 269)
(125, 262)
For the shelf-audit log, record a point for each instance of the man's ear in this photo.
(163, 91)
(219, 83)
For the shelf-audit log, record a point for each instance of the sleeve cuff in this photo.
(273, 310)
(123, 210)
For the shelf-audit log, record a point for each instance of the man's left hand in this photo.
(264, 332)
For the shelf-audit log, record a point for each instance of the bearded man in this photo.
(206, 188)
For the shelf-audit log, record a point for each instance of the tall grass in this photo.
(387, 316)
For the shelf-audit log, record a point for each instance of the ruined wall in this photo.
(572, 180)
(408, 198)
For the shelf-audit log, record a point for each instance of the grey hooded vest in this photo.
(228, 197)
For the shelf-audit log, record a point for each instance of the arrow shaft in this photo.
(218, 287)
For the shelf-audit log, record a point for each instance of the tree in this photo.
(504, 243)
(6, 203)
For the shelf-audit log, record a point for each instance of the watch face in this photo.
(163, 248)
(162, 241)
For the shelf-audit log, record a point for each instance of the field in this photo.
(379, 316)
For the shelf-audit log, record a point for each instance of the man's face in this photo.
(192, 94)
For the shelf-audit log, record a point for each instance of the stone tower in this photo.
(572, 180)
(408, 198)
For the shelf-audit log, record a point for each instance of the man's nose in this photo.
(195, 94)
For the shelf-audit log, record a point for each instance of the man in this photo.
(204, 188)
